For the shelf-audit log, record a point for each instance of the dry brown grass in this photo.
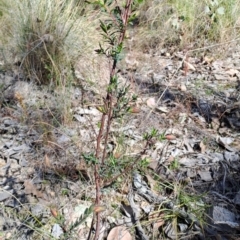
(187, 24)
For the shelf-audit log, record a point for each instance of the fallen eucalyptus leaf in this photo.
(119, 233)
(31, 189)
(162, 109)
(170, 137)
(135, 110)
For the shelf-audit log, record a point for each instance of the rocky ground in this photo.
(45, 183)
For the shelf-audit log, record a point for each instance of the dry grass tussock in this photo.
(188, 24)
(46, 38)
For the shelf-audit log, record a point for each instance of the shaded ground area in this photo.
(189, 187)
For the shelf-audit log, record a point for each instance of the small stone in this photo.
(182, 227)
(8, 235)
(111, 220)
(188, 162)
(31, 199)
(9, 122)
(183, 88)
(23, 162)
(23, 147)
(170, 231)
(216, 157)
(231, 156)
(15, 167)
(57, 231)
(2, 221)
(5, 195)
(63, 139)
(205, 175)
(52, 194)
(237, 199)
(12, 130)
(219, 77)
(2, 162)
(191, 173)
(223, 216)
(38, 210)
(30, 171)
(11, 203)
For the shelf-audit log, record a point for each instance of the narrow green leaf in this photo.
(103, 26)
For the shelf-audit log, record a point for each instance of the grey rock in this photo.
(143, 190)
(8, 144)
(63, 139)
(14, 166)
(19, 139)
(80, 118)
(224, 216)
(9, 122)
(231, 156)
(2, 222)
(189, 162)
(2, 145)
(5, 194)
(9, 152)
(8, 79)
(4, 180)
(219, 77)
(182, 227)
(38, 210)
(205, 175)
(12, 130)
(23, 162)
(158, 78)
(75, 187)
(7, 136)
(23, 147)
(2, 162)
(7, 187)
(87, 111)
(191, 173)
(216, 157)
(171, 231)
(17, 186)
(71, 132)
(37, 179)
(12, 203)
(148, 208)
(16, 157)
(111, 220)
(128, 221)
(3, 172)
(57, 231)
(237, 198)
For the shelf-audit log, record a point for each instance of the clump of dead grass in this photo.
(47, 37)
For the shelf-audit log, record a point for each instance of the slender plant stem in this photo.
(108, 112)
(96, 174)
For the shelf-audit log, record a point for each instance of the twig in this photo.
(135, 217)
